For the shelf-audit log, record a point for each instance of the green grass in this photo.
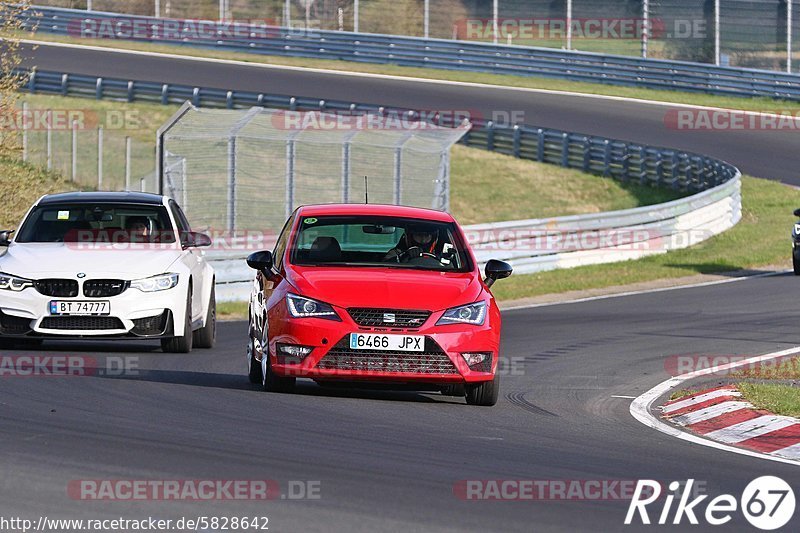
(21, 185)
(483, 182)
(759, 239)
(773, 369)
(732, 102)
(776, 398)
(682, 393)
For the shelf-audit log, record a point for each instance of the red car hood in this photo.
(388, 288)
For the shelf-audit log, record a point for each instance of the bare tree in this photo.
(11, 29)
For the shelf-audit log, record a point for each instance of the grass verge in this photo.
(732, 102)
(23, 184)
(778, 398)
(759, 239)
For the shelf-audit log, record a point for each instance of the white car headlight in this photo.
(474, 314)
(13, 283)
(301, 307)
(161, 282)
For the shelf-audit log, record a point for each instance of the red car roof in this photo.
(375, 209)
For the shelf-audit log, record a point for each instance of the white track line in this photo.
(701, 415)
(391, 77)
(751, 428)
(677, 406)
(641, 410)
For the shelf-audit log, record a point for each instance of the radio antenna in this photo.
(366, 190)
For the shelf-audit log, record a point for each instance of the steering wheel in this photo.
(407, 253)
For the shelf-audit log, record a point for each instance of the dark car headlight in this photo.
(474, 314)
(302, 307)
(14, 283)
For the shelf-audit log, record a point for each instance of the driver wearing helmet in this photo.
(417, 241)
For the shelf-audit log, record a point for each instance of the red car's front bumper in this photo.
(332, 359)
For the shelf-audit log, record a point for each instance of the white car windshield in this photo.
(97, 223)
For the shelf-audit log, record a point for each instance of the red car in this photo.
(375, 293)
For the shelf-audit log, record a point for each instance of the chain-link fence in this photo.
(94, 151)
(247, 170)
(748, 33)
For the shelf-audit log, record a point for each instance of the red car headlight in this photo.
(302, 307)
(474, 314)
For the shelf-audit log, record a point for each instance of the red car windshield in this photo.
(379, 242)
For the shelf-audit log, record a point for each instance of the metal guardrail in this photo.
(715, 206)
(437, 53)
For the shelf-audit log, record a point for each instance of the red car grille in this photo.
(432, 361)
(391, 318)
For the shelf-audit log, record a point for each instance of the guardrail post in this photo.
(490, 136)
(260, 100)
(130, 91)
(606, 157)
(517, 140)
(626, 164)
(674, 176)
(587, 154)
(540, 145)
(98, 91)
(196, 97)
(642, 166)
(229, 100)
(64, 84)
(292, 105)
(164, 94)
(565, 149)
(32, 80)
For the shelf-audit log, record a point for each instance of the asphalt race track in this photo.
(390, 460)
(386, 460)
(767, 154)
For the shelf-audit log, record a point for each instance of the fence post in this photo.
(398, 175)
(74, 151)
(789, 36)
(24, 131)
(64, 84)
(100, 158)
(494, 21)
(49, 140)
(290, 154)
(569, 24)
(355, 15)
(346, 172)
(426, 19)
(157, 9)
(716, 32)
(645, 26)
(231, 184)
(98, 91)
(128, 164)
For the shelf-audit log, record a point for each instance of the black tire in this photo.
(182, 344)
(796, 265)
(269, 381)
(484, 394)
(206, 336)
(253, 366)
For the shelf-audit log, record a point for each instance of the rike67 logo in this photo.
(767, 503)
